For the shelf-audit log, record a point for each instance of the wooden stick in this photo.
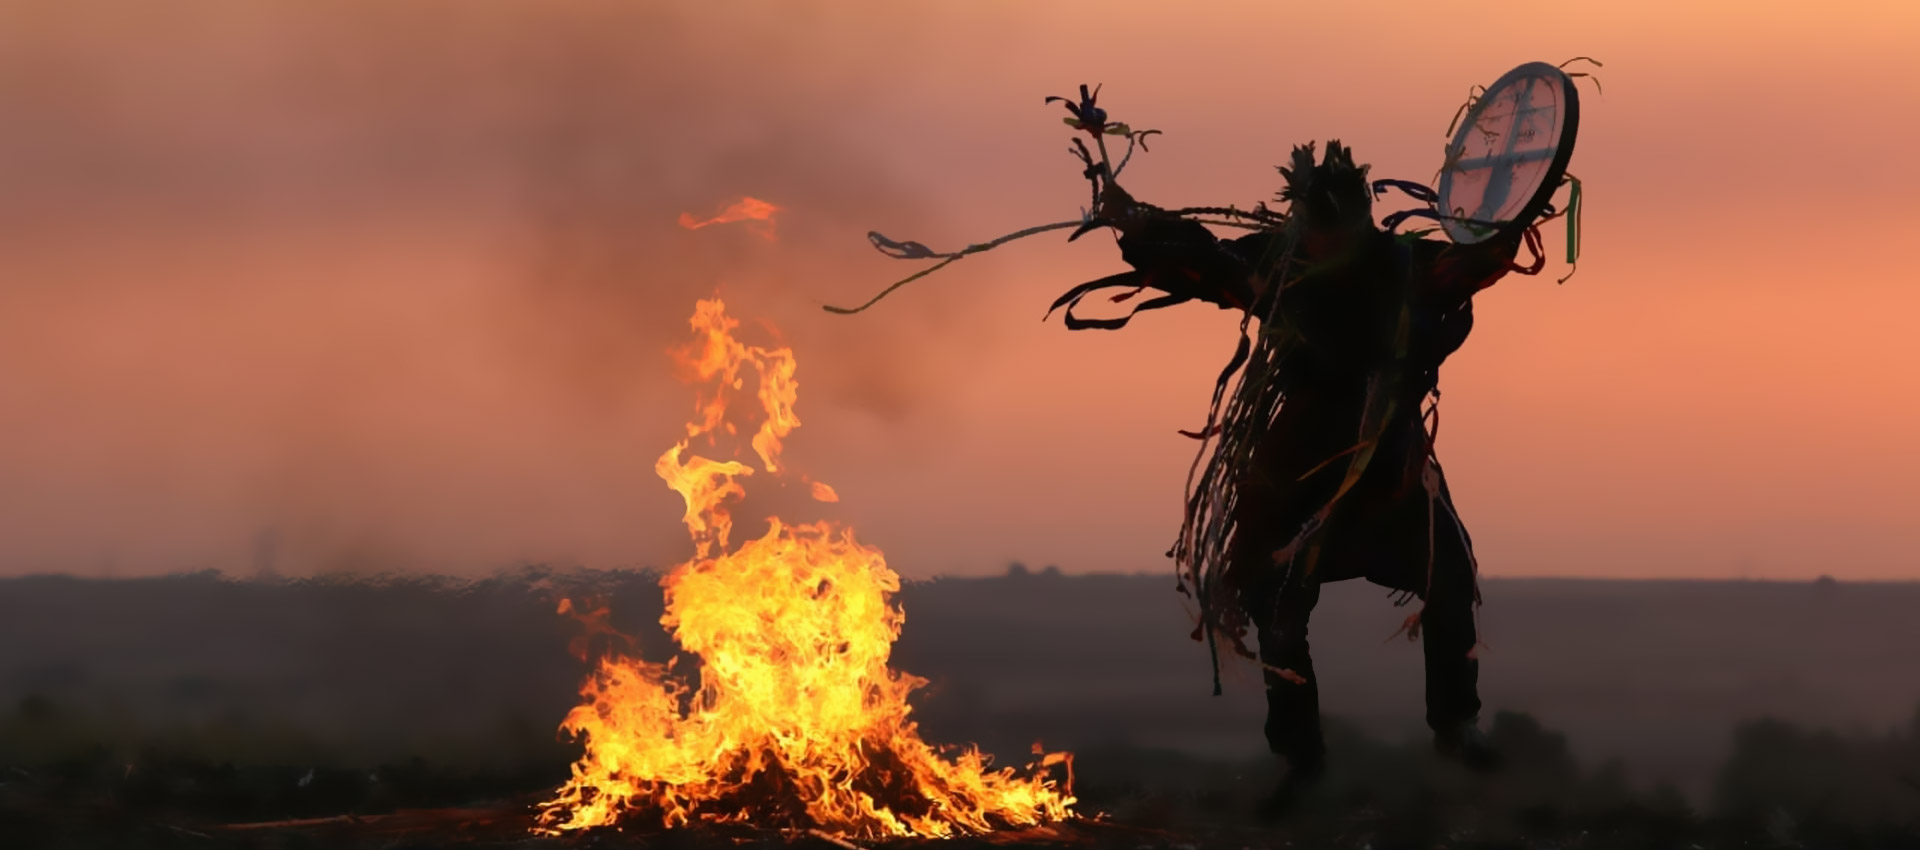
(836, 841)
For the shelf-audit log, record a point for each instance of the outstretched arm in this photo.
(1181, 257)
(1178, 257)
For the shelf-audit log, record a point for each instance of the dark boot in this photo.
(1294, 733)
(1453, 705)
(1301, 778)
(1281, 614)
(1466, 744)
(1293, 697)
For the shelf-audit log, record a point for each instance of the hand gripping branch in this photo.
(1086, 116)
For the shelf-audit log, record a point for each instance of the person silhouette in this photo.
(1376, 314)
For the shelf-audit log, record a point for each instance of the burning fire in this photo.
(757, 213)
(797, 720)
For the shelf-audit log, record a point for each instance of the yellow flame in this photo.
(716, 357)
(797, 719)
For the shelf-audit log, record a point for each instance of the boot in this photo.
(1466, 744)
(1302, 776)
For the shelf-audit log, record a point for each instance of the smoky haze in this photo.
(320, 287)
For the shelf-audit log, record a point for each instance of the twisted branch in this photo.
(917, 251)
(1089, 118)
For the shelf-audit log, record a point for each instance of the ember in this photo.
(758, 215)
(797, 719)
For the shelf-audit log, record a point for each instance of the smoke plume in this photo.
(319, 286)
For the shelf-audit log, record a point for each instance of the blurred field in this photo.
(428, 692)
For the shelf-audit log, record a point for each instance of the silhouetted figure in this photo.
(1344, 291)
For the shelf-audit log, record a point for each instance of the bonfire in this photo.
(794, 718)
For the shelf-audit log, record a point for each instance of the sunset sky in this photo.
(391, 285)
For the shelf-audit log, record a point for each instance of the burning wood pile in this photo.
(795, 721)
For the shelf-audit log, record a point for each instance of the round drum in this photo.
(1509, 154)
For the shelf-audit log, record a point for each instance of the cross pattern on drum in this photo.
(1500, 166)
(1506, 152)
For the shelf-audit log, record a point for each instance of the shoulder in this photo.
(1422, 247)
(1258, 245)
(1161, 242)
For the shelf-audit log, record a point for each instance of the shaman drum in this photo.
(1509, 154)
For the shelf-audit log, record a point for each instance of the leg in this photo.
(1453, 673)
(1280, 615)
(1447, 622)
(1293, 696)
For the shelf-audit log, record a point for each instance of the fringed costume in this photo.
(1317, 458)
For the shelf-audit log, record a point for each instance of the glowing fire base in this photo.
(797, 720)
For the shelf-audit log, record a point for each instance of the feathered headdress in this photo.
(1333, 191)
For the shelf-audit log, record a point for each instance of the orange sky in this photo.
(394, 282)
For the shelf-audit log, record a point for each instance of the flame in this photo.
(797, 719)
(757, 213)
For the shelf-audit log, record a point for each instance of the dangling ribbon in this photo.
(1393, 221)
(1575, 203)
(1422, 193)
(1131, 280)
(1240, 354)
(1535, 247)
(1417, 191)
(1573, 220)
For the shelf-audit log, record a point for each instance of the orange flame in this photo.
(824, 493)
(757, 213)
(797, 720)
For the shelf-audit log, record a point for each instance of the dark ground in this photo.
(158, 713)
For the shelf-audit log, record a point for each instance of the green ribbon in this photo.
(1573, 220)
